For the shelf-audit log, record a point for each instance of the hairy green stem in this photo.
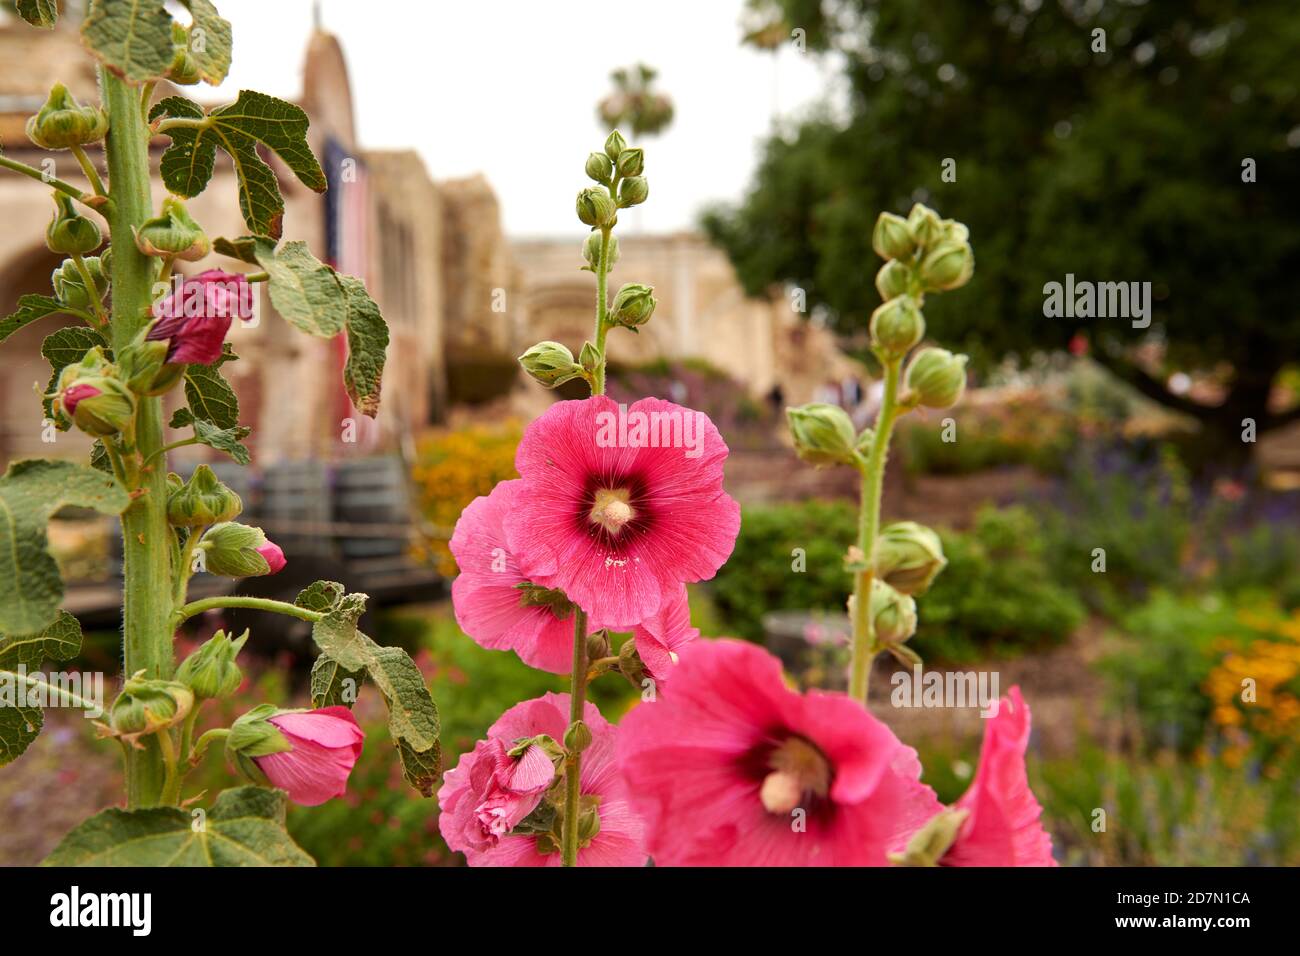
(873, 475)
(146, 536)
(188, 611)
(573, 759)
(64, 187)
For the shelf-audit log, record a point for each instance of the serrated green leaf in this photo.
(65, 347)
(330, 685)
(133, 38)
(213, 54)
(245, 827)
(30, 308)
(60, 641)
(210, 396)
(99, 459)
(241, 248)
(39, 13)
(367, 345)
(227, 440)
(321, 596)
(239, 128)
(31, 492)
(412, 715)
(186, 165)
(302, 288)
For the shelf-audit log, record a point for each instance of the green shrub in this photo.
(995, 596)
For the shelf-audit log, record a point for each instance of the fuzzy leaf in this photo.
(302, 288)
(65, 347)
(239, 128)
(241, 248)
(210, 396)
(245, 827)
(321, 596)
(412, 715)
(213, 54)
(133, 38)
(228, 440)
(60, 641)
(30, 308)
(99, 459)
(329, 687)
(39, 13)
(31, 492)
(367, 344)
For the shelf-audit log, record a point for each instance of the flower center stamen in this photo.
(611, 510)
(798, 769)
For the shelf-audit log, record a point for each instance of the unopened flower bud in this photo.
(908, 557)
(173, 234)
(615, 145)
(893, 279)
(633, 305)
(550, 363)
(211, 671)
(70, 287)
(630, 664)
(253, 735)
(600, 167)
(633, 191)
(953, 231)
(823, 434)
(949, 265)
(591, 251)
(202, 501)
(63, 122)
(148, 706)
(925, 225)
(598, 645)
(89, 395)
(631, 162)
(588, 825)
(937, 378)
(893, 614)
(69, 233)
(891, 238)
(897, 326)
(578, 737)
(144, 367)
(595, 207)
(589, 357)
(184, 70)
(240, 551)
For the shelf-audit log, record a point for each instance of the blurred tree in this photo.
(634, 105)
(1108, 140)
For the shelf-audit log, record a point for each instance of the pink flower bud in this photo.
(273, 555)
(195, 318)
(325, 746)
(74, 394)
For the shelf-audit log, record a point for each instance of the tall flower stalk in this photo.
(924, 254)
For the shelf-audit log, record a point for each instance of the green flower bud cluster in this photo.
(173, 234)
(70, 286)
(619, 172)
(551, 364)
(69, 233)
(924, 253)
(202, 501)
(148, 706)
(211, 672)
(63, 122)
(90, 395)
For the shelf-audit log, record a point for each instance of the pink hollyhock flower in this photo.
(1003, 828)
(326, 744)
(273, 555)
(495, 601)
(733, 768)
(194, 319)
(661, 636)
(479, 806)
(74, 394)
(623, 505)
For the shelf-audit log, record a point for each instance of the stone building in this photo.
(461, 300)
(380, 220)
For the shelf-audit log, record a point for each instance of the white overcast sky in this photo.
(509, 88)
